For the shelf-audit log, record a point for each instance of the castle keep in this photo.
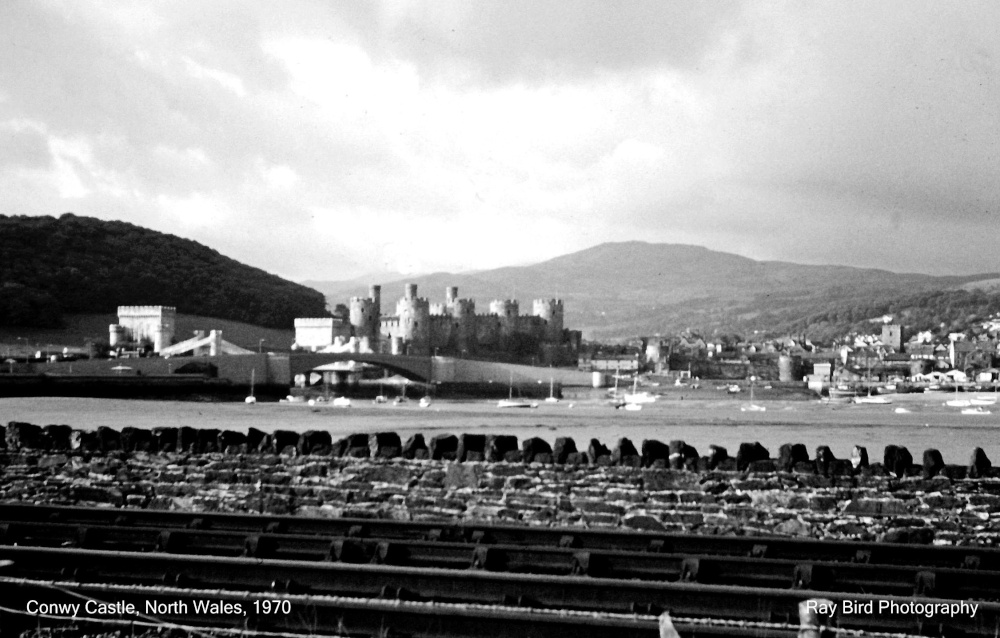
(143, 323)
(452, 328)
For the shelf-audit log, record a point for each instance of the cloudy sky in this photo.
(325, 140)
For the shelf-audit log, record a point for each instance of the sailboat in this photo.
(869, 398)
(511, 402)
(636, 397)
(986, 399)
(381, 398)
(251, 399)
(552, 398)
(956, 402)
(753, 407)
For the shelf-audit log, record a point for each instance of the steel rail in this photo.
(960, 557)
(474, 586)
(729, 570)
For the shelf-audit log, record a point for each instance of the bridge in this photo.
(428, 369)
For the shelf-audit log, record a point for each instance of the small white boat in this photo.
(251, 400)
(552, 398)
(633, 407)
(425, 402)
(876, 400)
(958, 403)
(976, 410)
(516, 403)
(753, 407)
(381, 399)
(901, 411)
(341, 402)
(635, 397)
(733, 389)
(981, 400)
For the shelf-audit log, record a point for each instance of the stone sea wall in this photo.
(495, 478)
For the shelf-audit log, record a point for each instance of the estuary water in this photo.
(926, 424)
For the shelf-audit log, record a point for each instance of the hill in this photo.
(72, 264)
(618, 290)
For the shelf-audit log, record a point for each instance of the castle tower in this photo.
(463, 313)
(414, 321)
(364, 318)
(375, 294)
(116, 335)
(507, 312)
(450, 295)
(551, 310)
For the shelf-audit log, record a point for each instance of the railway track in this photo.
(369, 575)
(752, 571)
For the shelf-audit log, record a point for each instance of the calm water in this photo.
(699, 422)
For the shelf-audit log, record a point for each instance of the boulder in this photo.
(165, 439)
(257, 441)
(791, 453)
(108, 439)
(596, 450)
(415, 447)
(282, 439)
(859, 457)
(136, 439)
(444, 447)
(825, 461)
(320, 442)
(207, 441)
(625, 453)
(187, 439)
(653, 451)
(471, 447)
(716, 455)
(979, 464)
(683, 456)
(897, 460)
(385, 445)
(231, 441)
(532, 447)
(24, 436)
(58, 437)
(750, 452)
(933, 463)
(498, 445)
(563, 447)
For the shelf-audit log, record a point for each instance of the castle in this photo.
(154, 324)
(453, 328)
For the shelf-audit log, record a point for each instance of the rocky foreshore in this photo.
(492, 478)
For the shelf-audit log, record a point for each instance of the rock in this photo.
(576, 458)
(282, 439)
(187, 439)
(750, 452)
(470, 443)
(84, 441)
(207, 441)
(909, 535)
(716, 455)
(24, 436)
(497, 447)
(624, 453)
(136, 439)
(532, 447)
(563, 447)
(58, 437)
(463, 476)
(320, 442)
(355, 446)
(793, 527)
(653, 450)
(897, 460)
(385, 445)
(596, 450)
(979, 464)
(642, 521)
(545, 458)
(256, 440)
(108, 439)
(683, 456)
(859, 457)
(933, 463)
(825, 461)
(876, 507)
(165, 439)
(230, 439)
(791, 453)
(444, 447)
(413, 445)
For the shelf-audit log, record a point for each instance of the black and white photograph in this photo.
(499, 319)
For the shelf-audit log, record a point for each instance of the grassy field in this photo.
(79, 329)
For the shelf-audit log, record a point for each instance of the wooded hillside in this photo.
(71, 264)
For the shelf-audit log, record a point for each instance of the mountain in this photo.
(74, 264)
(615, 291)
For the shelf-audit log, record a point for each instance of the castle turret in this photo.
(375, 294)
(414, 321)
(116, 335)
(364, 318)
(507, 312)
(463, 312)
(551, 310)
(450, 295)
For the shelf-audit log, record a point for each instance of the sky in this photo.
(327, 140)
